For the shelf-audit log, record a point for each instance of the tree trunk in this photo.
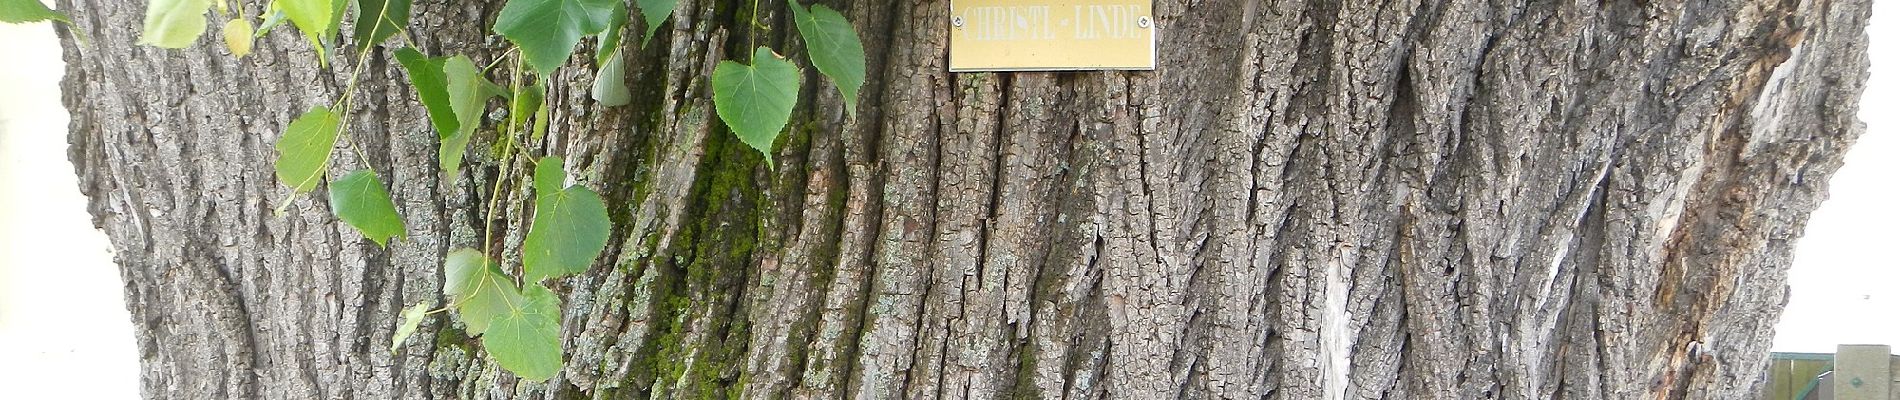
(1312, 199)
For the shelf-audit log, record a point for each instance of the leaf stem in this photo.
(752, 33)
(240, 9)
(348, 100)
(504, 56)
(507, 155)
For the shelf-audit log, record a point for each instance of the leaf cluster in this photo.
(514, 314)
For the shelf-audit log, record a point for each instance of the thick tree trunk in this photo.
(1308, 199)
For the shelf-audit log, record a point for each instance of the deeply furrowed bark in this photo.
(1308, 199)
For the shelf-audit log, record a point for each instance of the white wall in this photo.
(1846, 277)
(64, 330)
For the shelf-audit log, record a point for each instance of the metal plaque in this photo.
(1051, 35)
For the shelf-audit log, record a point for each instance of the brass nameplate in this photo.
(1051, 35)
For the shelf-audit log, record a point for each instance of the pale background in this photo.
(65, 333)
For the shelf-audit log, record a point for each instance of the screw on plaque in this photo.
(956, 21)
(1144, 22)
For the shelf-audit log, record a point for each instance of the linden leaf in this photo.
(305, 149)
(550, 175)
(756, 100)
(358, 198)
(336, 17)
(237, 37)
(610, 84)
(547, 30)
(432, 88)
(411, 318)
(24, 11)
(610, 81)
(313, 17)
(174, 24)
(570, 226)
(655, 12)
(540, 124)
(477, 288)
(835, 49)
(469, 93)
(377, 20)
(610, 38)
(526, 339)
(524, 103)
(270, 22)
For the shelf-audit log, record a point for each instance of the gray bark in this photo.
(1308, 199)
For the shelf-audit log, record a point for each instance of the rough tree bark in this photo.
(1308, 199)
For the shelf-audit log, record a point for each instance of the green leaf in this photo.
(237, 37)
(313, 17)
(610, 81)
(23, 11)
(547, 30)
(527, 339)
(550, 175)
(570, 226)
(432, 88)
(276, 18)
(477, 288)
(655, 12)
(358, 198)
(377, 20)
(411, 318)
(524, 103)
(305, 149)
(336, 18)
(610, 39)
(174, 24)
(450, 155)
(835, 49)
(540, 124)
(469, 93)
(610, 84)
(756, 100)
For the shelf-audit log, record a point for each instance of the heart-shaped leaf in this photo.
(411, 318)
(377, 20)
(432, 88)
(313, 17)
(469, 93)
(304, 150)
(237, 37)
(174, 24)
(570, 226)
(547, 30)
(358, 198)
(610, 84)
(610, 38)
(835, 49)
(477, 288)
(756, 100)
(655, 12)
(527, 338)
